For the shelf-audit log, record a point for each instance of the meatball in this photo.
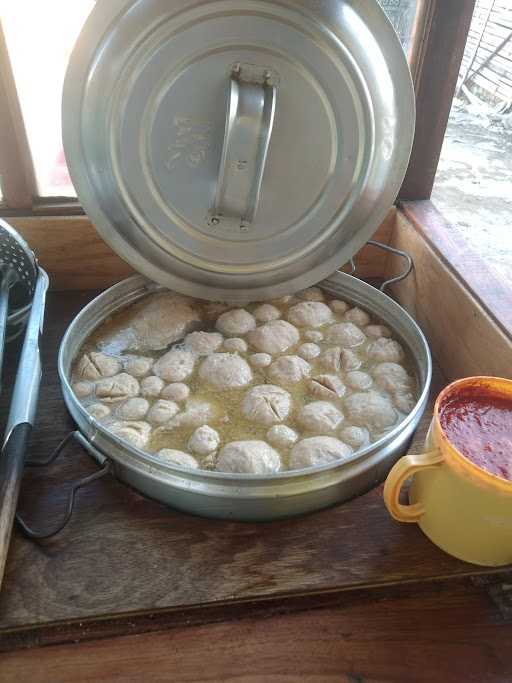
(248, 457)
(289, 370)
(309, 314)
(96, 365)
(151, 386)
(175, 365)
(83, 389)
(320, 417)
(385, 351)
(266, 404)
(309, 351)
(235, 344)
(260, 360)
(162, 411)
(225, 371)
(133, 409)
(357, 316)
(345, 334)
(266, 312)
(318, 450)
(350, 360)
(135, 433)
(196, 414)
(392, 377)
(176, 392)
(311, 294)
(370, 410)
(327, 386)
(203, 343)
(236, 322)
(377, 331)
(404, 402)
(277, 336)
(204, 441)
(338, 306)
(98, 411)
(358, 380)
(179, 458)
(117, 388)
(138, 366)
(356, 437)
(331, 359)
(281, 436)
(313, 336)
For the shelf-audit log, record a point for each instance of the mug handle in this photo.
(402, 470)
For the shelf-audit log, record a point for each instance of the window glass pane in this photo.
(473, 187)
(402, 14)
(40, 35)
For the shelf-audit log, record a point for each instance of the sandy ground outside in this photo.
(473, 186)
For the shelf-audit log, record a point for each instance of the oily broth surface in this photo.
(113, 335)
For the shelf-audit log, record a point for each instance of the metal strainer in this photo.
(18, 273)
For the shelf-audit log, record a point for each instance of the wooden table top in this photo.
(126, 564)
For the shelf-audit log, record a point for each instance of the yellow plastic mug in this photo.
(463, 509)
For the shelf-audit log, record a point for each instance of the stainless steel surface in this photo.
(28, 377)
(145, 159)
(249, 122)
(249, 497)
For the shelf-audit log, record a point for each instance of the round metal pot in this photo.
(248, 497)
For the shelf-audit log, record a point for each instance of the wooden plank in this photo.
(422, 634)
(443, 50)
(76, 257)
(16, 169)
(125, 557)
(464, 336)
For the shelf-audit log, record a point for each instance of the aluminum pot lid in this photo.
(237, 149)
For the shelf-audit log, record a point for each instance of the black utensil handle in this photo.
(11, 471)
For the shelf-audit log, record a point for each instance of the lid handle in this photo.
(249, 122)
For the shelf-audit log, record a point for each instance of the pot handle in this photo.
(401, 471)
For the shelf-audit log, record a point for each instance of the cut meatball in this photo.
(320, 417)
(318, 450)
(235, 323)
(133, 409)
(358, 380)
(309, 314)
(392, 377)
(338, 306)
(331, 359)
(96, 365)
(135, 433)
(327, 386)
(357, 316)
(151, 387)
(266, 312)
(204, 440)
(98, 411)
(175, 366)
(162, 411)
(260, 360)
(277, 336)
(385, 351)
(370, 410)
(350, 360)
(313, 336)
(203, 343)
(248, 457)
(196, 414)
(117, 388)
(345, 334)
(281, 436)
(235, 344)
(289, 370)
(377, 331)
(179, 458)
(225, 371)
(176, 392)
(356, 437)
(309, 351)
(138, 366)
(266, 404)
(312, 294)
(82, 389)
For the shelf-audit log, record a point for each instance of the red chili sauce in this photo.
(479, 425)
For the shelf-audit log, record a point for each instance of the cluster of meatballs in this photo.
(298, 382)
